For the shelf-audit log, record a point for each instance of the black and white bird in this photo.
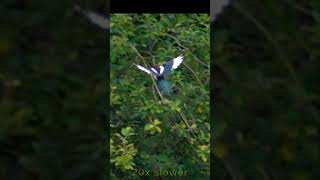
(159, 72)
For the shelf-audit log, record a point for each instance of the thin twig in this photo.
(196, 58)
(154, 94)
(193, 72)
(267, 35)
(122, 138)
(187, 49)
(156, 86)
(299, 7)
(153, 57)
(263, 173)
(232, 168)
(186, 122)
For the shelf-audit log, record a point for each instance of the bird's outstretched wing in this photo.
(171, 65)
(177, 61)
(143, 69)
(216, 7)
(95, 18)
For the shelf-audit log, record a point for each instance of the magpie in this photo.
(159, 72)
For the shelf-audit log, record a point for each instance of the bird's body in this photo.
(165, 87)
(159, 72)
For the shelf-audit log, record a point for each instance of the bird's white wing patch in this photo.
(161, 69)
(216, 7)
(155, 71)
(143, 69)
(98, 19)
(95, 18)
(177, 61)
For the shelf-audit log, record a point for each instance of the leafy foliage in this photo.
(169, 133)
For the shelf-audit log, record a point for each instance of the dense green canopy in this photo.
(147, 131)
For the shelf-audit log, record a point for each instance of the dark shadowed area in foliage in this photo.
(52, 92)
(266, 88)
(149, 132)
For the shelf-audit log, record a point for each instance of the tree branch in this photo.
(187, 49)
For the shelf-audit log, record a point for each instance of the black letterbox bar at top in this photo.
(160, 6)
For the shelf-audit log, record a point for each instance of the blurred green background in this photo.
(147, 133)
(266, 92)
(52, 92)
